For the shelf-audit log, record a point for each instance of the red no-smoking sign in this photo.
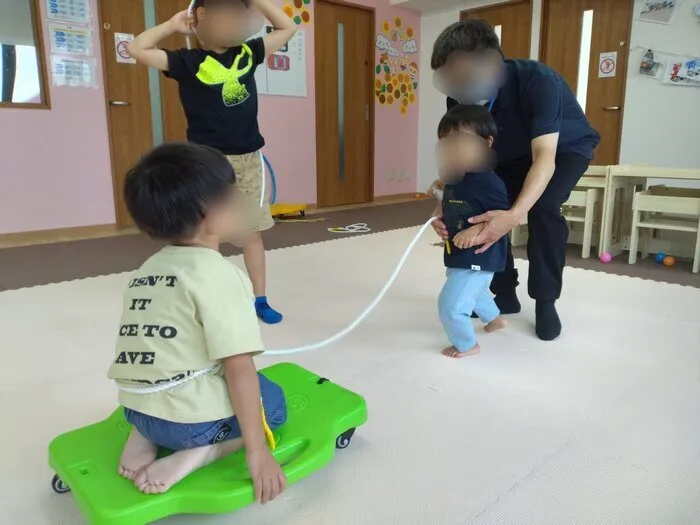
(607, 64)
(121, 49)
(121, 44)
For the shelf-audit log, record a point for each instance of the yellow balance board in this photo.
(281, 210)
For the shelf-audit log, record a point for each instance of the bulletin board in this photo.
(284, 72)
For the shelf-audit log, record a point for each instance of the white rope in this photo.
(367, 310)
(313, 346)
(358, 227)
(162, 387)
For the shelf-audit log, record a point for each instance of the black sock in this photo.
(507, 303)
(547, 322)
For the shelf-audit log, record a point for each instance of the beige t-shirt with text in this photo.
(185, 310)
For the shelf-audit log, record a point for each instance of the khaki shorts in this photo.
(249, 170)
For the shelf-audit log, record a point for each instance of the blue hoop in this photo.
(273, 197)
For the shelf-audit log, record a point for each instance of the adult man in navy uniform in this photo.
(544, 146)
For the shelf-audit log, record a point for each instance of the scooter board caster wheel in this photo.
(343, 440)
(59, 486)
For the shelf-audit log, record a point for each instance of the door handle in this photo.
(611, 108)
(119, 103)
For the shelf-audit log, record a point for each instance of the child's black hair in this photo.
(476, 118)
(467, 36)
(169, 191)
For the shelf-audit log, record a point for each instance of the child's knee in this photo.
(450, 313)
(446, 301)
(274, 404)
(453, 304)
(277, 414)
(278, 417)
(445, 311)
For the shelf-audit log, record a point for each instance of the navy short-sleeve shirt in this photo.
(537, 101)
(477, 193)
(219, 95)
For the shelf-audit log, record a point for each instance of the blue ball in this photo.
(660, 257)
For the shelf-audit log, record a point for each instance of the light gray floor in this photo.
(600, 427)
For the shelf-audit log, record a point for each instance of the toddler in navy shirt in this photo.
(470, 187)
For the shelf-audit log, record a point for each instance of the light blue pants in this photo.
(465, 291)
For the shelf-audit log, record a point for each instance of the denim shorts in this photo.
(181, 436)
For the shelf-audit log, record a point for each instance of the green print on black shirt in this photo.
(206, 79)
(212, 72)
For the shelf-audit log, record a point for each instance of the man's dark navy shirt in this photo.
(537, 101)
(477, 193)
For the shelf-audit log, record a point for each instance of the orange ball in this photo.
(669, 261)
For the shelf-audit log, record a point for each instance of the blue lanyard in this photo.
(493, 100)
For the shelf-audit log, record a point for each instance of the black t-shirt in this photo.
(537, 101)
(219, 95)
(477, 193)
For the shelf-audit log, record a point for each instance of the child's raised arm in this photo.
(285, 28)
(144, 48)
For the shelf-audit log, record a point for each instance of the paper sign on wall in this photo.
(682, 71)
(607, 65)
(69, 10)
(121, 42)
(284, 73)
(73, 71)
(70, 40)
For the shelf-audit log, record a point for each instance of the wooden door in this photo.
(174, 121)
(512, 22)
(128, 98)
(587, 41)
(344, 104)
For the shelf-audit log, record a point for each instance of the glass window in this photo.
(584, 58)
(21, 66)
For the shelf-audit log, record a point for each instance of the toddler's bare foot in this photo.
(451, 351)
(160, 475)
(497, 324)
(138, 453)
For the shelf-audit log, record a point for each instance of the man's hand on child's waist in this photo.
(465, 238)
(497, 223)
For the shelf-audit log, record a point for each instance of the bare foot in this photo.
(451, 351)
(497, 324)
(138, 453)
(162, 474)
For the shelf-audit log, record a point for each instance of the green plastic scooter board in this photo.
(322, 416)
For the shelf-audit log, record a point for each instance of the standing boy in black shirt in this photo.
(471, 188)
(220, 99)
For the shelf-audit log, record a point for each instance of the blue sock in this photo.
(265, 312)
